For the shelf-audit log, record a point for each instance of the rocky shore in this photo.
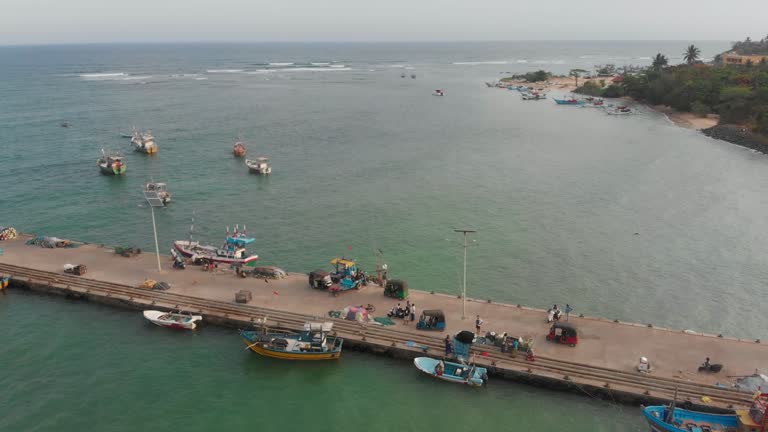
(738, 135)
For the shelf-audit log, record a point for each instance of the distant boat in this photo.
(413, 76)
(126, 135)
(143, 142)
(259, 166)
(111, 164)
(438, 92)
(239, 148)
(533, 96)
(313, 343)
(402, 75)
(670, 419)
(569, 101)
(457, 373)
(621, 111)
(172, 319)
(160, 189)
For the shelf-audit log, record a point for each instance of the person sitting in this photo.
(707, 364)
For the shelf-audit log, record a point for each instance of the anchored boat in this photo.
(313, 343)
(173, 319)
(143, 142)
(160, 189)
(671, 419)
(233, 251)
(457, 373)
(533, 96)
(111, 163)
(239, 148)
(569, 101)
(259, 166)
(438, 92)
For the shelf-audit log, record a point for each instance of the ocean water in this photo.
(622, 217)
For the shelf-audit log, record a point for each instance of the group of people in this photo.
(554, 313)
(407, 313)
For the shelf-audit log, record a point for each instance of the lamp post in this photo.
(464, 289)
(154, 201)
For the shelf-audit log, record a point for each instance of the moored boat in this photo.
(238, 149)
(143, 142)
(620, 111)
(533, 96)
(158, 189)
(111, 163)
(438, 92)
(314, 342)
(172, 319)
(259, 166)
(569, 101)
(457, 373)
(663, 418)
(233, 251)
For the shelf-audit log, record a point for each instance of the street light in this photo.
(464, 291)
(154, 201)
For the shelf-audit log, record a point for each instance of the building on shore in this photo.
(732, 58)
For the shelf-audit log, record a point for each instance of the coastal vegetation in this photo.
(737, 93)
(537, 76)
(750, 47)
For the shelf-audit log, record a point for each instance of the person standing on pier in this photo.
(448, 347)
(568, 310)
(478, 324)
(413, 312)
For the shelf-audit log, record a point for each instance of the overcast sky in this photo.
(88, 21)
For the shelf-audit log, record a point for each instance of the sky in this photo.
(103, 21)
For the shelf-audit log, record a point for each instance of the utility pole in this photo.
(154, 201)
(464, 290)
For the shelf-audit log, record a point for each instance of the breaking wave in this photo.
(224, 70)
(102, 75)
(475, 63)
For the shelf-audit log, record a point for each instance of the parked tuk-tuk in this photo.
(563, 333)
(396, 288)
(347, 275)
(320, 279)
(431, 320)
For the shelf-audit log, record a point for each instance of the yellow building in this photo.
(733, 58)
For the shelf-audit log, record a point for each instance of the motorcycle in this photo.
(712, 367)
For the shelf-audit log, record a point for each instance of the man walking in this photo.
(448, 347)
(568, 310)
(478, 324)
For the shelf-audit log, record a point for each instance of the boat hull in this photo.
(182, 247)
(654, 416)
(155, 318)
(259, 348)
(427, 366)
(112, 171)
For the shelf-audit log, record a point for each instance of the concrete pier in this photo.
(601, 365)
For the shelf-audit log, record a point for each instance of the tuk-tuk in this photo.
(347, 274)
(563, 333)
(431, 320)
(320, 279)
(396, 288)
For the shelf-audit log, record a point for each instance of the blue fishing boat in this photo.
(470, 375)
(314, 343)
(569, 101)
(670, 419)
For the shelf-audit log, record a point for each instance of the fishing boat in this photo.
(457, 373)
(533, 96)
(158, 189)
(671, 419)
(143, 142)
(111, 163)
(314, 342)
(621, 111)
(438, 92)
(239, 148)
(232, 252)
(176, 320)
(569, 101)
(259, 166)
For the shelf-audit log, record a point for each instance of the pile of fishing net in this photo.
(8, 233)
(50, 242)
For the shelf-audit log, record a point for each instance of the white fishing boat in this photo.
(259, 166)
(159, 189)
(438, 92)
(533, 96)
(143, 142)
(457, 373)
(233, 251)
(173, 319)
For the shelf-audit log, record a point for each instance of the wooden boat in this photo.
(233, 251)
(176, 320)
(238, 149)
(143, 142)
(671, 419)
(533, 96)
(313, 343)
(158, 189)
(621, 111)
(259, 166)
(569, 101)
(457, 373)
(111, 164)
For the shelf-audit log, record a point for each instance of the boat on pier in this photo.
(456, 373)
(314, 342)
(176, 320)
(143, 142)
(232, 252)
(663, 418)
(111, 163)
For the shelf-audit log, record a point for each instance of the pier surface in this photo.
(602, 363)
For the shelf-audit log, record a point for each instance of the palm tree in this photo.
(691, 54)
(659, 62)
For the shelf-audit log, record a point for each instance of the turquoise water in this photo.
(96, 368)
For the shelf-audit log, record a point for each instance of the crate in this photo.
(243, 296)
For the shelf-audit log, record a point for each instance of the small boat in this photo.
(143, 142)
(173, 319)
(239, 148)
(65, 125)
(533, 96)
(670, 419)
(111, 164)
(620, 111)
(453, 372)
(259, 166)
(233, 251)
(402, 75)
(313, 343)
(438, 92)
(413, 76)
(158, 189)
(569, 101)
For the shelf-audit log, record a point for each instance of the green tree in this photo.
(659, 62)
(691, 54)
(576, 73)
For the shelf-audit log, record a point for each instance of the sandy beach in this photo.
(686, 119)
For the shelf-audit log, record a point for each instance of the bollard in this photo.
(606, 385)
(647, 393)
(566, 377)
(393, 344)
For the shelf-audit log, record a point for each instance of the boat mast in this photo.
(671, 413)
